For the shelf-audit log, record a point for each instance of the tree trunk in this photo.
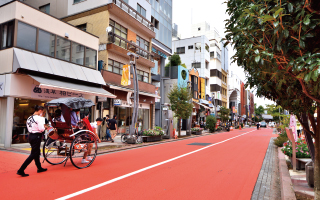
(179, 127)
(317, 168)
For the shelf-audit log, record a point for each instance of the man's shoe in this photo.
(112, 141)
(22, 174)
(41, 170)
(84, 161)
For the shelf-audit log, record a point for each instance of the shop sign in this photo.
(1, 89)
(116, 102)
(102, 99)
(44, 93)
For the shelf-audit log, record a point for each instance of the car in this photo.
(263, 124)
(272, 124)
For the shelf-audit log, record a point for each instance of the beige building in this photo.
(128, 32)
(42, 58)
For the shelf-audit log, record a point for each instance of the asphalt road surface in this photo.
(220, 166)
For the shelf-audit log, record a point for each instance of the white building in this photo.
(195, 52)
(234, 92)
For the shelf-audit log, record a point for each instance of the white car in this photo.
(272, 124)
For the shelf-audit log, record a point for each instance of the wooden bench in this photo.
(301, 162)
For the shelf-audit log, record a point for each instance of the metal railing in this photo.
(130, 46)
(134, 13)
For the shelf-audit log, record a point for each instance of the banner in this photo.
(125, 79)
(293, 126)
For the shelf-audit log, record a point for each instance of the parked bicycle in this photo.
(137, 134)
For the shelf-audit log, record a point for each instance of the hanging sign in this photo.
(116, 102)
(44, 93)
(125, 79)
(1, 89)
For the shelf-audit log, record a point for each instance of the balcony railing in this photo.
(130, 46)
(133, 12)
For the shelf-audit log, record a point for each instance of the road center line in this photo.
(143, 169)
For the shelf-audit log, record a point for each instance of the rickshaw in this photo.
(66, 142)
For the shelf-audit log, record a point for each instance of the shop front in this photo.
(122, 107)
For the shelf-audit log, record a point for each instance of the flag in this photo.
(125, 79)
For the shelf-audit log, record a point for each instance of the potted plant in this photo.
(196, 131)
(152, 135)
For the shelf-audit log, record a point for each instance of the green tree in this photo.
(180, 102)
(174, 60)
(211, 122)
(276, 44)
(258, 111)
(224, 114)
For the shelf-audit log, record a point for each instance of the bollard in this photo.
(231, 129)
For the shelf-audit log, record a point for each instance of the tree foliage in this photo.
(258, 110)
(276, 44)
(174, 60)
(180, 103)
(224, 113)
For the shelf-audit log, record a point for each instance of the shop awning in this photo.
(207, 107)
(72, 87)
(39, 63)
(131, 90)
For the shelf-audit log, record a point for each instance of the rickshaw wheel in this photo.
(79, 147)
(54, 153)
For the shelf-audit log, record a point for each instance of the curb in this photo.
(286, 186)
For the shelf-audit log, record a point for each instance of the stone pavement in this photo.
(268, 182)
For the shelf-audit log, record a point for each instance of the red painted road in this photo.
(227, 170)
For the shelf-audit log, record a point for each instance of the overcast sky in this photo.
(213, 12)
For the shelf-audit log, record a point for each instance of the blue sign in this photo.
(159, 53)
(209, 99)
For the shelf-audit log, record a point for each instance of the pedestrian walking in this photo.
(258, 125)
(113, 127)
(36, 126)
(108, 135)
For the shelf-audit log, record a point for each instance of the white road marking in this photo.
(143, 169)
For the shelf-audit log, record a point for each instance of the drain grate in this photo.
(200, 144)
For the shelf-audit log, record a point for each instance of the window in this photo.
(155, 22)
(6, 35)
(212, 54)
(198, 46)
(196, 65)
(190, 47)
(143, 76)
(45, 8)
(195, 95)
(180, 50)
(119, 30)
(195, 80)
(27, 36)
(114, 66)
(46, 42)
(199, 29)
(207, 65)
(82, 27)
(91, 58)
(144, 44)
(207, 48)
(77, 53)
(63, 50)
(218, 56)
(77, 1)
(215, 72)
(214, 88)
(141, 10)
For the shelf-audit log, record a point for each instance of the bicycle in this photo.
(137, 134)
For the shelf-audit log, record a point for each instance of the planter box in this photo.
(197, 133)
(152, 138)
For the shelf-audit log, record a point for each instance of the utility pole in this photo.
(132, 128)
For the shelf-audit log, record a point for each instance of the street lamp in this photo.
(132, 128)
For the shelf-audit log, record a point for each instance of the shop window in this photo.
(6, 35)
(46, 43)
(45, 8)
(91, 58)
(63, 50)
(26, 36)
(77, 53)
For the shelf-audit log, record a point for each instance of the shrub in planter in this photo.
(196, 129)
(237, 127)
(153, 132)
(282, 138)
(302, 150)
(211, 123)
(219, 128)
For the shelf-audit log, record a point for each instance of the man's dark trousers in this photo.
(35, 142)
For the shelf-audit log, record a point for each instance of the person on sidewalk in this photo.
(108, 135)
(113, 127)
(36, 126)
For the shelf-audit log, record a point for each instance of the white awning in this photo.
(207, 107)
(72, 87)
(131, 90)
(39, 63)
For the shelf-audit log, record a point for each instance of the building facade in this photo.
(129, 31)
(234, 96)
(42, 58)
